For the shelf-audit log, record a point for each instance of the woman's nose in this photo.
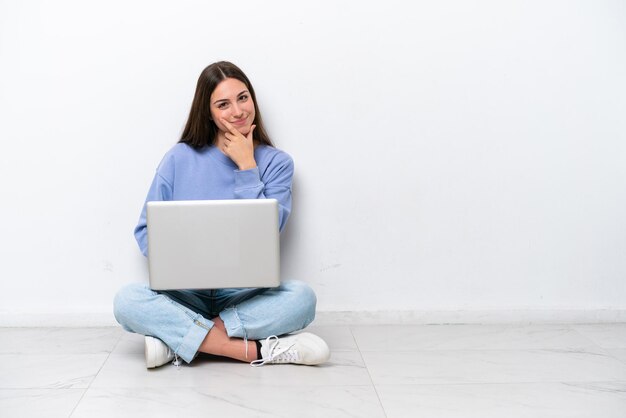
(236, 110)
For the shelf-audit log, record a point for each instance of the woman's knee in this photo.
(126, 300)
(305, 297)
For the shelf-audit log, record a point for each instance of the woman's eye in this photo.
(222, 105)
(243, 98)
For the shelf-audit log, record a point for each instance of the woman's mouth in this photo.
(240, 122)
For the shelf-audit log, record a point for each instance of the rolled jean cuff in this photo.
(232, 323)
(194, 337)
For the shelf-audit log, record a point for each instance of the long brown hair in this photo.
(200, 129)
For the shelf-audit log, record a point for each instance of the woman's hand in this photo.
(239, 148)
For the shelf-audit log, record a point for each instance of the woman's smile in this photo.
(240, 122)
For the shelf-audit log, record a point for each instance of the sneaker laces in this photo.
(277, 353)
(176, 361)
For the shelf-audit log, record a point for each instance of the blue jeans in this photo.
(182, 318)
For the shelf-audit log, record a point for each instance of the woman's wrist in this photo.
(248, 165)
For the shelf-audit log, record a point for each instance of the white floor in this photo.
(375, 371)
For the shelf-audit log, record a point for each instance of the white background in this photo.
(450, 156)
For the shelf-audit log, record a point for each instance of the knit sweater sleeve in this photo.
(273, 183)
(160, 190)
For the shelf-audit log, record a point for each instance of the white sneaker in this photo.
(157, 353)
(304, 348)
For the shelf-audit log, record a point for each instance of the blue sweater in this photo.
(207, 174)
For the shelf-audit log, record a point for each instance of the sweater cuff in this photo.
(247, 179)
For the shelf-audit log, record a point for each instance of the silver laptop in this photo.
(212, 244)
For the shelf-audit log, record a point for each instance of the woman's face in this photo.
(232, 101)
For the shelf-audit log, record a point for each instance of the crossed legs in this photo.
(180, 321)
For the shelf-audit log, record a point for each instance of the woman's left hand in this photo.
(238, 147)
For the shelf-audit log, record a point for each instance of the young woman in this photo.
(224, 153)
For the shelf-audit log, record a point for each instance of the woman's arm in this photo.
(160, 189)
(273, 183)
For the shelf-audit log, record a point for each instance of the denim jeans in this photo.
(182, 318)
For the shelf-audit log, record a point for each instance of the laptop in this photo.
(213, 244)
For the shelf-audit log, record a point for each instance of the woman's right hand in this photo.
(238, 147)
